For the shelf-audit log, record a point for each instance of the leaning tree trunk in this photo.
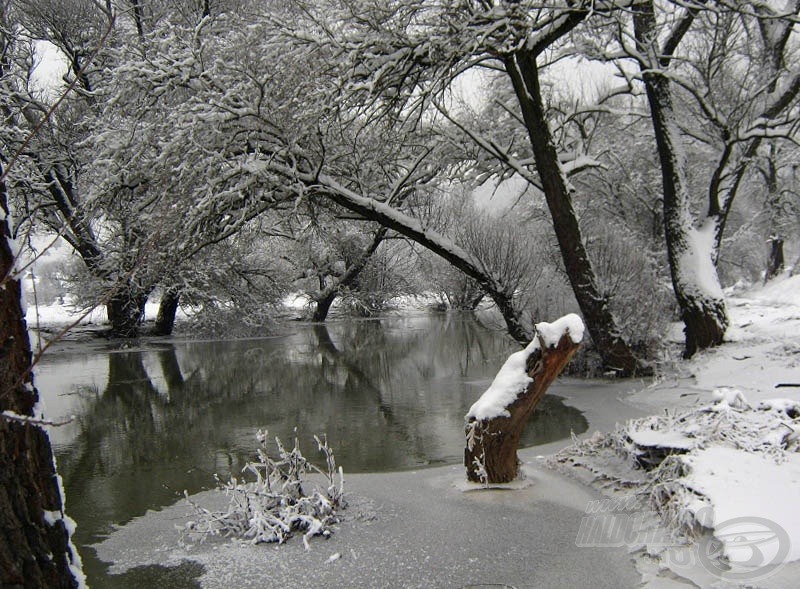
(35, 547)
(323, 299)
(594, 304)
(322, 305)
(496, 421)
(167, 309)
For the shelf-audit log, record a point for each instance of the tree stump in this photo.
(496, 421)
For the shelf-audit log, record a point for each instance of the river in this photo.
(164, 417)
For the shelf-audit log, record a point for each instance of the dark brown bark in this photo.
(167, 309)
(614, 350)
(491, 457)
(33, 551)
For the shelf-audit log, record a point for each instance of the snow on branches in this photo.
(275, 505)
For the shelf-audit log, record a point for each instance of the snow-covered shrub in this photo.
(653, 456)
(276, 503)
(629, 274)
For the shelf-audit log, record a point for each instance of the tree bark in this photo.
(491, 452)
(323, 305)
(167, 309)
(35, 550)
(775, 261)
(594, 304)
(125, 310)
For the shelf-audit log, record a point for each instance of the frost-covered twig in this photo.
(274, 505)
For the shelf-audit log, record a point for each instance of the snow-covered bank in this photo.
(722, 464)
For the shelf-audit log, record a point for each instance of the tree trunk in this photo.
(167, 308)
(705, 320)
(125, 310)
(614, 350)
(35, 548)
(690, 250)
(323, 305)
(473, 303)
(491, 452)
(775, 262)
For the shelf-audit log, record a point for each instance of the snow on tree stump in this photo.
(496, 420)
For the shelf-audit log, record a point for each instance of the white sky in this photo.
(51, 67)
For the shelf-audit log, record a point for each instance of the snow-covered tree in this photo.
(403, 57)
(743, 90)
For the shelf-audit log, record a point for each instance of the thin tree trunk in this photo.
(473, 303)
(326, 295)
(323, 305)
(611, 345)
(35, 550)
(491, 452)
(167, 309)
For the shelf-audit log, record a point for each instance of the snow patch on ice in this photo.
(662, 439)
(728, 397)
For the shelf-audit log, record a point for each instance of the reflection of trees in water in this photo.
(389, 394)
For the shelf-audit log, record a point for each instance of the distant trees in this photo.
(739, 91)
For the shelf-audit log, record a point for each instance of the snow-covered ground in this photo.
(719, 462)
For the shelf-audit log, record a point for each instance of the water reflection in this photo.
(389, 394)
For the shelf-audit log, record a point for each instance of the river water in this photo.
(151, 422)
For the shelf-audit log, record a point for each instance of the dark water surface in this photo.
(150, 423)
